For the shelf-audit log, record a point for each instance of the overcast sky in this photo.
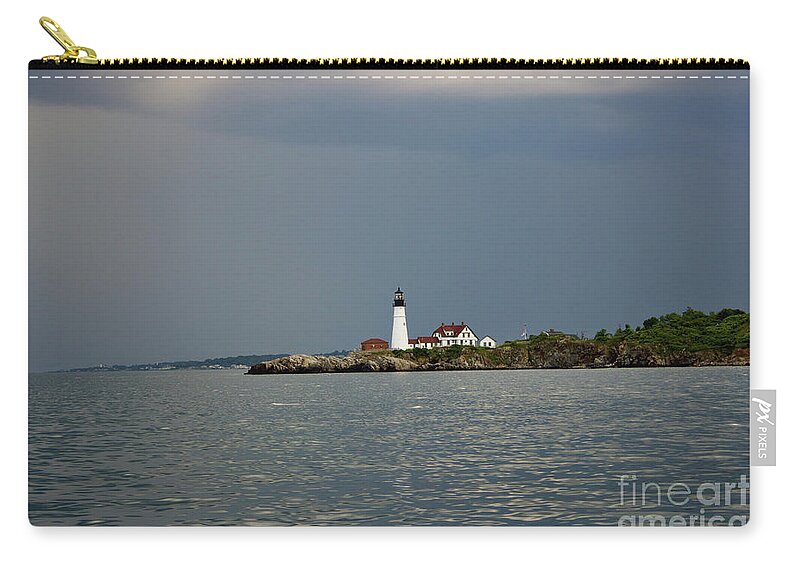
(198, 218)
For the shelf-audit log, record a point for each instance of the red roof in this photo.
(412, 341)
(428, 339)
(374, 341)
(450, 330)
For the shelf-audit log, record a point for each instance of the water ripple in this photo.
(452, 448)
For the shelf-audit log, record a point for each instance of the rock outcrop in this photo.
(558, 353)
(355, 362)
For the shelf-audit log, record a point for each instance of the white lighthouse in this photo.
(399, 328)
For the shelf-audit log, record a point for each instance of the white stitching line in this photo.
(392, 77)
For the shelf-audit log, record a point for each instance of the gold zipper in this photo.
(79, 55)
(72, 53)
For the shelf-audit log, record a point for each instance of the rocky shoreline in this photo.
(562, 353)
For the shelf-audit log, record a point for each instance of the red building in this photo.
(374, 344)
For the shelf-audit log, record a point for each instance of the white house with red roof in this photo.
(454, 334)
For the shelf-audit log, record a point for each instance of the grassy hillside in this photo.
(691, 331)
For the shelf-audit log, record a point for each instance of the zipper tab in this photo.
(72, 52)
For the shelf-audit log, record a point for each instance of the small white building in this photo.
(454, 334)
(488, 342)
(424, 342)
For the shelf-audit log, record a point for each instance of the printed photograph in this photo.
(389, 297)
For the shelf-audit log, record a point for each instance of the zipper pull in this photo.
(72, 52)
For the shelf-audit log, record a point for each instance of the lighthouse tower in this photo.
(399, 328)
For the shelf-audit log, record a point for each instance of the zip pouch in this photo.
(468, 292)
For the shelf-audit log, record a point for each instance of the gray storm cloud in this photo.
(173, 220)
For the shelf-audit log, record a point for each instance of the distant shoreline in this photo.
(241, 362)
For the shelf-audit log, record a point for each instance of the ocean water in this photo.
(526, 447)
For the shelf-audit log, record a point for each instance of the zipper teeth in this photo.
(382, 63)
